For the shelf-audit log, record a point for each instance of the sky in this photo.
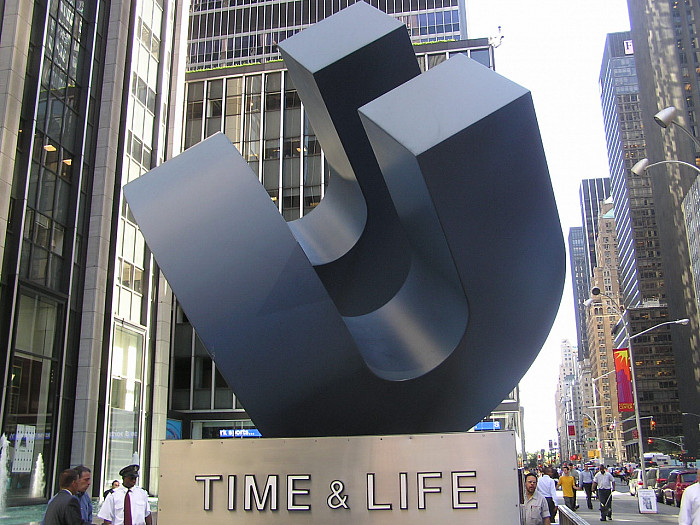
(554, 48)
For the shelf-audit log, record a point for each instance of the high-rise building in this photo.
(641, 268)
(638, 243)
(602, 319)
(581, 285)
(667, 58)
(225, 33)
(90, 91)
(569, 403)
(591, 193)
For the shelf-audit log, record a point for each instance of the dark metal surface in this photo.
(420, 290)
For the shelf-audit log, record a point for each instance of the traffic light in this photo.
(652, 424)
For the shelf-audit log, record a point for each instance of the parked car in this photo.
(635, 481)
(677, 482)
(661, 479)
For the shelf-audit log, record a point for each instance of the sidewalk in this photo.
(625, 509)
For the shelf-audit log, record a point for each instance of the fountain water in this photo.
(38, 482)
(4, 474)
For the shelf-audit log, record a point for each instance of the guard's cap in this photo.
(132, 471)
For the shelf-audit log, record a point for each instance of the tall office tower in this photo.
(87, 96)
(591, 193)
(569, 403)
(601, 320)
(589, 448)
(226, 33)
(640, 259)
(642, 270)
(581, 286)
(667, 58)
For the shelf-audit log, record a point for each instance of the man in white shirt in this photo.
(587, 484)
(547, 488)
(690, 505)
(604, 484)
(128, 504)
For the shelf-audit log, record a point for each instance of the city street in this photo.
(625, 509)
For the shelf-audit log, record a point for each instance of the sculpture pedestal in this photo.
(445, 478)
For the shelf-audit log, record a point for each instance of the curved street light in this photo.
(596, 291)
(641, 166)
(667, 116)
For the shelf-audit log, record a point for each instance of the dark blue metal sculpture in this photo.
(420, 290)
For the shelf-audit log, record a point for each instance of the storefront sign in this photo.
(465, 478)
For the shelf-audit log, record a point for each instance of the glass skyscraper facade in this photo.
(591, 193)
(43, 273)
(86, 108)
(230, 32)
(638, 239)
(581, 286)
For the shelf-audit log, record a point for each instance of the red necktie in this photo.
(127, 508)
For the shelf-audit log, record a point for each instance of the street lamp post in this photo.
(644, 164)
(692, 414)
(597, 432)
(596, 291)
(667, 116)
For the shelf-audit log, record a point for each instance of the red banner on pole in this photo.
(625, 400)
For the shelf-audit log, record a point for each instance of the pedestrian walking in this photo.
(84, 480)
(535, 510)
(64, 509)
(567, 483)
(587, 485)
(547, 488)
(604, 484)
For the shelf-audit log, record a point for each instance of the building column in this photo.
(96, 315)
(161, 375)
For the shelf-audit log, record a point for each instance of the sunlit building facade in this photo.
(568, 401)
(602, 318)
